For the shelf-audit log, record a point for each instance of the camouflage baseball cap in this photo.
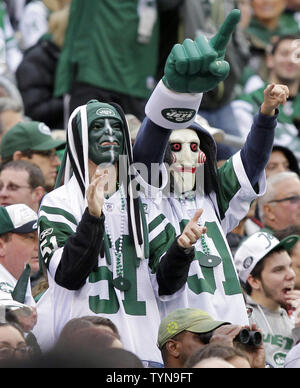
(189, 319)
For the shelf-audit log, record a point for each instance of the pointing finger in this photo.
(197, 215)
(222, 37)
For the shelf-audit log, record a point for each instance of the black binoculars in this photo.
(249, 337)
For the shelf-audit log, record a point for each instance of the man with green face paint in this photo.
(106, 138)
(97, 243)
(105, 141)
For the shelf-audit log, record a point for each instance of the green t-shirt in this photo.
(101, 49)
(261, 36)
(291, 20)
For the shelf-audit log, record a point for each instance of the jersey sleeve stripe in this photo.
(160, 244)
(154, 223)
(57, 219)
(229, 183)
(58, 211)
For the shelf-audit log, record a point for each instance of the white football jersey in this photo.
(135, 311)
(212, 284)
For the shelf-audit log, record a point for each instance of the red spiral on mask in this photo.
(201, 157)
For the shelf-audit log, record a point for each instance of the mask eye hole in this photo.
(176, 147)
(194, 147)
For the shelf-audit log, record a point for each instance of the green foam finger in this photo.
(195, 60)
(208, 55)
(180, 59)
(219, 69)
(222, 37)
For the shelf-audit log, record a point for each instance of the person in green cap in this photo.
(32, 141)
(18, 247)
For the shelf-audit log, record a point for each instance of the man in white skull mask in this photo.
(220, 198)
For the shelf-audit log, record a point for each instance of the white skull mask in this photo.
(187, 156)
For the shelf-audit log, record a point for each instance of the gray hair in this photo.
(10, 90)
(271, 190)
(8, 103)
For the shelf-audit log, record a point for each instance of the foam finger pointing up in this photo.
(222, 37)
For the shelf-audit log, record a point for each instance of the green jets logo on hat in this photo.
(178, 115)
(105, 112)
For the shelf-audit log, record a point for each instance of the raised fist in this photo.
(274, 95)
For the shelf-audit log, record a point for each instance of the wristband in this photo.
(172, 110)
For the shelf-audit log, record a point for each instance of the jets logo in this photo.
(178, 115)
(105, 112)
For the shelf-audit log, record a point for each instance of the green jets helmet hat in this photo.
(17, 218)
(255, 248)
(189, 319)
(96, 109)
(31, 135)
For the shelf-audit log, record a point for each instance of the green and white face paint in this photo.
(106, 141)
(105, 133)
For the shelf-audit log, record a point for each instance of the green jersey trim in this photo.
(59, 212)
(229, 185)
